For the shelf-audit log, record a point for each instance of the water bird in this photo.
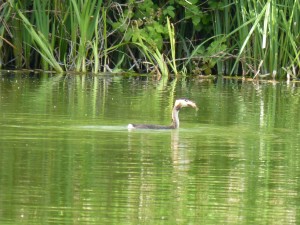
(179, 103)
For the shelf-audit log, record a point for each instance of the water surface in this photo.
(66, 156)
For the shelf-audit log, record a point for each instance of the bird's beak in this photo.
(193, 105)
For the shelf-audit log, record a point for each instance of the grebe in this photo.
(179, 103)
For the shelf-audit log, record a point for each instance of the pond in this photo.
(66, 156)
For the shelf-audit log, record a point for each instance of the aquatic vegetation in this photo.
(248, 38)
(43, 47)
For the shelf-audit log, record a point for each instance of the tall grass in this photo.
(171, 31)
(237, 37)
(155, 58)
(43, 46)
(5, 13)
(41, 10)
(268, 44)
(86, 15)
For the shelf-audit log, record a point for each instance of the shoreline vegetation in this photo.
(255, 39)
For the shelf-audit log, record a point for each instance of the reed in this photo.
(291, 39)
(269, 43)
(233, 37)
(151, 52)
(86, 14)
(5, 13)
(105, 38)
(44, 48)
(245, 46)
(155, 57)
(171, 31)
(20, 52)
(41, 10)
(96, 48)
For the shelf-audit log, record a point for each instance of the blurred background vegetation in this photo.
(166, 38)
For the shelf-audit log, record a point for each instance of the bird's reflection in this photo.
(179, 149)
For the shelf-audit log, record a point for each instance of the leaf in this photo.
(215, 47)
(169, 11)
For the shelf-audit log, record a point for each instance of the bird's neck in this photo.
(175, 118)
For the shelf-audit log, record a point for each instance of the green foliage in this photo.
(85, 15)
(148, 22)
(172, 46)
(43, 46)
(4, 16)
(205, 59)
(246, 37)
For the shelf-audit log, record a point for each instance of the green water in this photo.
(66, 156)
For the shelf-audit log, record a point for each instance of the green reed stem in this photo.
(85, 14)
(249, 34)
(41, 11)
(5, 13)
(44, 47)
(171, 31)
(260, 37)
(96, 48)
(105, 38)
(152, 52)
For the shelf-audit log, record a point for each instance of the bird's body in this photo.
(179, 103)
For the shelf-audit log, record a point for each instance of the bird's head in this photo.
(180, 103)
